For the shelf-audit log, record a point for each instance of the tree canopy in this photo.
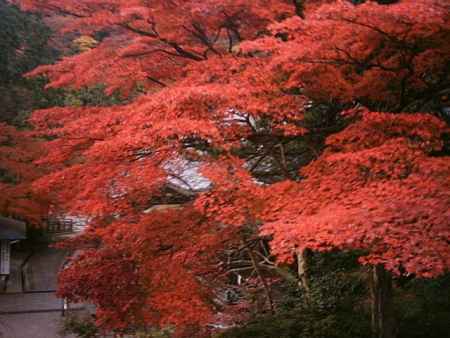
(315, 123)
(23, 42)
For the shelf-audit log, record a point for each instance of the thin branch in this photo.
(162, 84)
(262, 279)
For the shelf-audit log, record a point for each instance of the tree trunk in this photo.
(303, 273)
(383, 322)
(299, 8)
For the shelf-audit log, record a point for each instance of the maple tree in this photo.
(379, 200)
(254, 91)
(383, 57)
(149, 43)
(18, 150)
(171, 239)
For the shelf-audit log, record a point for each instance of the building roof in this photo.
(11, 229)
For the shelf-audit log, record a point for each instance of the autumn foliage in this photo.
(375, 188)
(329, 98)
(18, 150)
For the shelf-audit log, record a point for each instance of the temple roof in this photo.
(11, 229)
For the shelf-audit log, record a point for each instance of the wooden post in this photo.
(5, 257)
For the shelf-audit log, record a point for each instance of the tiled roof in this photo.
(12, 229)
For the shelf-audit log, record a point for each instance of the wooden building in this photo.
(11, 230)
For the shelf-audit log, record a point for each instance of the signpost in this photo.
(5, 257)
(11, 231)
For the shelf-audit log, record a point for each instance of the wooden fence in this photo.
(55, 225)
